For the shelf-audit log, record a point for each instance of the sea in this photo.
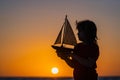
(60, 78)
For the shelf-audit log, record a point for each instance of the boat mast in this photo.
(64, 25)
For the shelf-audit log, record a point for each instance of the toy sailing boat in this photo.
(66, 39)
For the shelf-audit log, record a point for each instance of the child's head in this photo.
(87, 31)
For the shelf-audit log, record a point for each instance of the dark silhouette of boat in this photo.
(66, 39)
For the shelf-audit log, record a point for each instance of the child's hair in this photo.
(89, 28)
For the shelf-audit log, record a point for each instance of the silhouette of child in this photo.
(85, 54)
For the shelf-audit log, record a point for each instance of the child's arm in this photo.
(86, 62)
(69, 62)
(65, 56)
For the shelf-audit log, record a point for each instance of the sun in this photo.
(54, 70)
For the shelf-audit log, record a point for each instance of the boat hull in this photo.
(62, 48)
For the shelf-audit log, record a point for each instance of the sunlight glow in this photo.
(54, 70)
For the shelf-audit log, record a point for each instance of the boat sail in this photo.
(65, 37)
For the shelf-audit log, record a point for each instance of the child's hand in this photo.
(62, 54)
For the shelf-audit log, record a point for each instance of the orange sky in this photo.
(29, 28)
